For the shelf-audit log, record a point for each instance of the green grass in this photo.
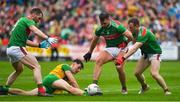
(108, 82)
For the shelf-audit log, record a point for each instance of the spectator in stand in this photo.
(76, 14)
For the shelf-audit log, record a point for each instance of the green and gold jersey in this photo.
(113, 33)
(20, 32)
(60, 69)
(150, 45)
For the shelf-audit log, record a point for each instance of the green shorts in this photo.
(48, 81)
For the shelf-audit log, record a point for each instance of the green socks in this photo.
(85, 93)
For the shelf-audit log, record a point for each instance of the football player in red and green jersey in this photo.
(116, 37)
(16, 49)
(151, 51)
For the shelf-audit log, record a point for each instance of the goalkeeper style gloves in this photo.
(47, 43)
(52, 40)
(87, 56)
(120, 60)
(44, 44)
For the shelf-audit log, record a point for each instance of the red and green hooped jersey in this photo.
(20, 32)
(113, 33)
(150, 45)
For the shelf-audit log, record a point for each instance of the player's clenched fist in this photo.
(120, 60)
(44, 44)
(52, 40)
(87, 56)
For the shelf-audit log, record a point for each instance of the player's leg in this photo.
(16, 91)
(155, 67)
(122, 76)
(31, 62)
(18, 66)
(141, 66)
(102, 58)
(62, 84)
(15, 54)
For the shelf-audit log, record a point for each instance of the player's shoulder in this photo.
(61, 65)
(98, 29)
(65, 67)
(23, 18)
(115, 23)
(26, 19)
(145, 31)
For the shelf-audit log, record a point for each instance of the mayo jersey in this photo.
(20, 32)
(113, 33)
(150, 45)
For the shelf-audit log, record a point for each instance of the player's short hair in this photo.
(78, 61)
(135, 21)
(103, 16)
(36, 11)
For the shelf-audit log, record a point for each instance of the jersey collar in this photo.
(109, 25)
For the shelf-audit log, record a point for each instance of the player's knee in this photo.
(19, 70)
(154, 74)
(99, 62)
(37, 66)
(137, 74)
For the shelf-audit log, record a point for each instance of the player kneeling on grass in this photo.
(60, 78)
(151, 51)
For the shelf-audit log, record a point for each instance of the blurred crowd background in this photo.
(74, 21)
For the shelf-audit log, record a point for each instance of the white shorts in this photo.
(16, 53)
(154, 57)
(114, 51)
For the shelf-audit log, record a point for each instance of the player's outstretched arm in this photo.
(38, 32)
(43, 44)
(94, 41)
(42, 35)
(120, 59)
(71, 79)
(133, 49)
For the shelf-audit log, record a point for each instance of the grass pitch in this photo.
(109, 83)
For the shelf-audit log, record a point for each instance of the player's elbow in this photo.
(32, 28)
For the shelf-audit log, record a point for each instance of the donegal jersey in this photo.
(150, 45)
(56, 74)
(20, 32)
(59, 70)
(113, 33)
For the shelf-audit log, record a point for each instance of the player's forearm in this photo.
(75, 84)
(41, 34)
(93, 45)
(32, 44)
(38, 32)
(130, 52)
